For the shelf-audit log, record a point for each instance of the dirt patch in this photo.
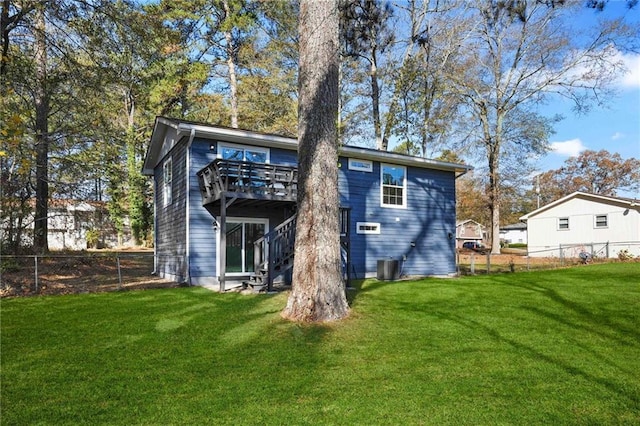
(78, 273)
(504, 259)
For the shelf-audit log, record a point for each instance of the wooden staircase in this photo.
(273, 255)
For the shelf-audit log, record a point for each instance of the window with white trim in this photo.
(393, 186)
(167, 181)
(367, 228)
(252, 154)
(601, 221)
(563, 223)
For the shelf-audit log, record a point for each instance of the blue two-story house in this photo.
(225, 207)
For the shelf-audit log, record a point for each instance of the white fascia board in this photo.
(274, 141)
(156, 144)
(240, 136)
(400, 159)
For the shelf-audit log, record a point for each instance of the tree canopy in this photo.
(594, 172)
(81, 83)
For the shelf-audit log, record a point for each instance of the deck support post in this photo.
(223, 243)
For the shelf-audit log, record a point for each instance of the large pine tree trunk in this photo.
(231, 65)
(318, 292)
(40, 228)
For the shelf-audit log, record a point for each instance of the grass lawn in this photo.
(550, 347)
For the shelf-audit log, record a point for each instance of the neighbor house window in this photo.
(367, 228)
(393, 185)
(167, 179)
(601, 221)
(563, 223)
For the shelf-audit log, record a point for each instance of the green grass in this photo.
(554, 347)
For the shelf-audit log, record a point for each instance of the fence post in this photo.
(528, 262)
(561, 255)
(119, 273)
(473, 264)
(488, 262)
(35, 258)
(607, 249)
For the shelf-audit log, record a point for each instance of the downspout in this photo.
(155, 227)
(188, 208)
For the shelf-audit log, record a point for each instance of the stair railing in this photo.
(275, 249)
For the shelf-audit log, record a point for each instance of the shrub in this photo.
(625, 255)
(9, 265)
(517, 245)
(93, 237)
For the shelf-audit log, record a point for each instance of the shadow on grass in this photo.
(618, 388)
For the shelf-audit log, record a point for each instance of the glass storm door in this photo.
(240, 237)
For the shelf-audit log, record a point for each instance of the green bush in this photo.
(93, 237)
(517, 245)
(9, 265)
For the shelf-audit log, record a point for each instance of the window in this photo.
(601, 221)
(393, 185)
(360, 165)
(167, 179)
(367, 228)
(252, 154)
(563, 223)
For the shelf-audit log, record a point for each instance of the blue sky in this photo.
(615, 128)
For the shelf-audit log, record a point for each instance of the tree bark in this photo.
(318, 291)
(40, 228)
(231, 65)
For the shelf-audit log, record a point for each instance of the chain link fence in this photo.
(77, 273)
(565, 255)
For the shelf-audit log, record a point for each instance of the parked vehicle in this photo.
(475, 246)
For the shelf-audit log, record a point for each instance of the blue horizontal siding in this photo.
(203, 238)
(427, 220)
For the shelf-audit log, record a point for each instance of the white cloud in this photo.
(617, 135)
(631, 79)
(570, 148)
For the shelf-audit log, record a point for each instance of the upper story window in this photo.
(393, 181)
(167, 181)
(601, 221)
(563, 223)
(251, 154)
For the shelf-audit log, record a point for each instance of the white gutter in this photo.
(188, 204)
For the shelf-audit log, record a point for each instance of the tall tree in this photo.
(367, 34)
(42, 108)
(523, 52)
(318, 292)
(426, 115)
(595, 172)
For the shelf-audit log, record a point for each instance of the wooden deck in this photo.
(245, 180)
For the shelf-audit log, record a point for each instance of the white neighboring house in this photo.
(469, 230)
(598, 224)
(514, 233)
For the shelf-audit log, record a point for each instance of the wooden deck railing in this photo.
(244, 179)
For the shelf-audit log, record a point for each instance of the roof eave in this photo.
(274, 141)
